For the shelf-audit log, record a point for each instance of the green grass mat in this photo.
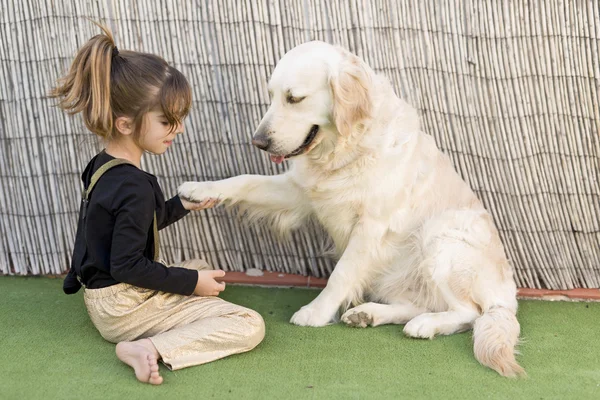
(49, 349)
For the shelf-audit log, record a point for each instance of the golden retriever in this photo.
(412, 238)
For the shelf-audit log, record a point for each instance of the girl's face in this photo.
(157, 136)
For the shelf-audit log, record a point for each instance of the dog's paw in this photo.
(198, 191)
(423, 326)
(357, 318)
(309, 316)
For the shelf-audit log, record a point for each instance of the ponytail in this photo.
(86, 88)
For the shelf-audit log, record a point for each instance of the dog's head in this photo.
(318, 92)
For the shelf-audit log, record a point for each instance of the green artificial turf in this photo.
(50, 350)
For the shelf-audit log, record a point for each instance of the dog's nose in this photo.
(261, 141)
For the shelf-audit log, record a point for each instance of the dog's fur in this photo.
(412, 237)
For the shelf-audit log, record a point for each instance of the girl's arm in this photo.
(177, 208)
(133, 208)
(174, 211)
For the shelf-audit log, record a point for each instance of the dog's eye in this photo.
(295, 100)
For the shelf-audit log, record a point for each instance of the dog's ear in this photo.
(351, 86)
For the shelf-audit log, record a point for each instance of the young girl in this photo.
(137, 103)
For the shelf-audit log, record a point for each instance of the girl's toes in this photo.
(155, 378)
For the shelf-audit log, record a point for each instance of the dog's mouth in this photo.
(303, 147)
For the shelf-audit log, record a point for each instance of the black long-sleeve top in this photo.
(119, 232)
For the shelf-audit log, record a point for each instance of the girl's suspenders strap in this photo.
(112, 163)
(86, 195)
(72, 282)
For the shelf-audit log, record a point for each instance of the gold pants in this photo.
(186, 330)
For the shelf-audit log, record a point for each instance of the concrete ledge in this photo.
(267, 278)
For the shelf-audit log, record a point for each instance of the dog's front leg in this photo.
(274, 197)
(347, 279)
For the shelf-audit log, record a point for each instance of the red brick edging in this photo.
(281, 279)
(572, 294)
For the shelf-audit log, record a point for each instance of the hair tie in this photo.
(115, 51)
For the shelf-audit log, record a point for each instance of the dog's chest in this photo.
(338, 205)
(339, 221)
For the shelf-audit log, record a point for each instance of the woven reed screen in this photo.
(508, 89)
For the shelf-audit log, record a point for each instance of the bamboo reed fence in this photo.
(508, 89)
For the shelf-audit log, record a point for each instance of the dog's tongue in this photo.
(277, 159)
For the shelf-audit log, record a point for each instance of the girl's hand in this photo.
(207, 285)
(208, 203)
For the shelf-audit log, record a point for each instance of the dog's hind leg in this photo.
(455, 247)
(375, 314)
(452, 286)
(428, 325)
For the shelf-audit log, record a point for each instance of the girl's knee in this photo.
(257, 332)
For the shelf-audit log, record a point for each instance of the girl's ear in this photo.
(124, 125)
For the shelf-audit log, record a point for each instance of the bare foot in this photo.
(142, 356)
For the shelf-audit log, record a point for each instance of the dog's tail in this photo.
(496, 335)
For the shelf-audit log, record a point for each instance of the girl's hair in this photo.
(105, 83)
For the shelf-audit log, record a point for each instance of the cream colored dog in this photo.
(412, 237)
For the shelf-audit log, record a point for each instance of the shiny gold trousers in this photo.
(186, 330)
